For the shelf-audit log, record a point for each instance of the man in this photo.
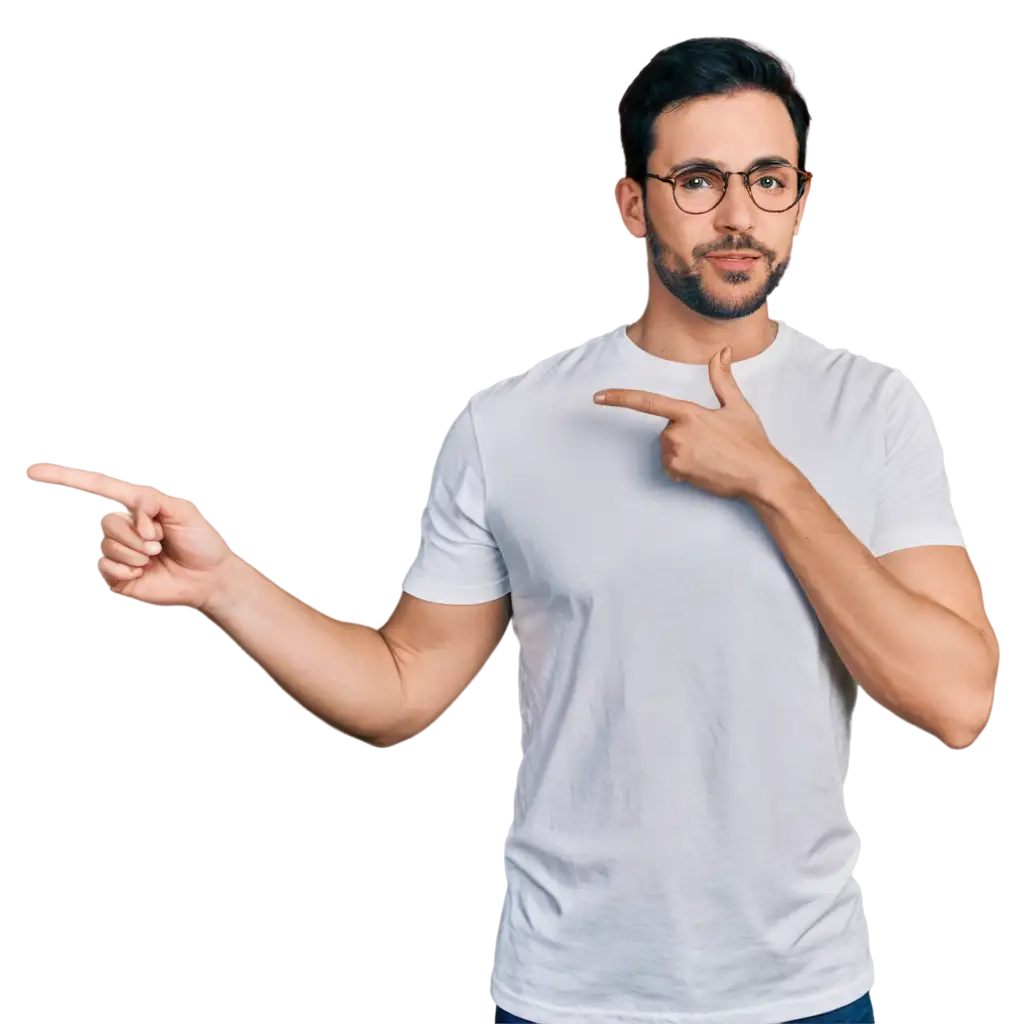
(700, 572)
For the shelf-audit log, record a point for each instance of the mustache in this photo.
(732, 244)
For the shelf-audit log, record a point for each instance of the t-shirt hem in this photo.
(763, 1013)
(916, 536)
(455, 593)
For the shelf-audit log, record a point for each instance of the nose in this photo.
(737, 212)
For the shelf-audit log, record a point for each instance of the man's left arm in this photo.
(920, 645)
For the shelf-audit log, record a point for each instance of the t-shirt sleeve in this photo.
(458, 560)
(914, 505)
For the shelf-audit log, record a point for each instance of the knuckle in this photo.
(118, 552)
(112, 520)
(150, 499)
(121, 527)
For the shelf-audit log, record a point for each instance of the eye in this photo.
(777, 179)
(694, 177)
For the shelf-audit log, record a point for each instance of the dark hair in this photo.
(707, 66)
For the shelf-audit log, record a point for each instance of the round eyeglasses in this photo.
(774, 188)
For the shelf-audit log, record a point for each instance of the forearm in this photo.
(916, 658)
(342, 672)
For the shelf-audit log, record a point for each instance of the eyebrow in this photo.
(703, 161)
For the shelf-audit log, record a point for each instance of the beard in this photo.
(686, 284)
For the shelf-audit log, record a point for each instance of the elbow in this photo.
(407, 724)
(960, 740)
(971, 727)
(975, 711)
(396, 732)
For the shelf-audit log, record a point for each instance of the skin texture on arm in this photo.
(379, 686)
(913, 654)
(439, 649)
(945, 575)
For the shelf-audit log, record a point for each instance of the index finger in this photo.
(85, 480)
(647, 401)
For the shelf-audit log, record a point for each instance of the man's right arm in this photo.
(379, 685)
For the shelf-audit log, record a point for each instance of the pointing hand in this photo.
(190, 557)
(725, 451)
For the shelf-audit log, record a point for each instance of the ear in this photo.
(626, 200)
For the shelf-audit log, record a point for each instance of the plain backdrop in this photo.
(297, 233)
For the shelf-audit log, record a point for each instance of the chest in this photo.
(582, 508)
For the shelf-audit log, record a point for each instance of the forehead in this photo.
(731, 129)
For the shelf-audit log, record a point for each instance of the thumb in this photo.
(149, 505)
(722, 381)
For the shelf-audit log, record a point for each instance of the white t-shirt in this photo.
(680, 851)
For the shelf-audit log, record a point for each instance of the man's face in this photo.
(732, 131)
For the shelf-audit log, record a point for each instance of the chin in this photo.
(736, 303)
(753, 279)
(740, 283)
(738, 295)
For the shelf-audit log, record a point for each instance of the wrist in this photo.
(776, 480)
(226, 583)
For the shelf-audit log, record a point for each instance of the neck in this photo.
(696, 340)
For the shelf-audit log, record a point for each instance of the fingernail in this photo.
(152, 547)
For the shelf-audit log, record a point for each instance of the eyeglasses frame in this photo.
(802, 177)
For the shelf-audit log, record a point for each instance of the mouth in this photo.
(740, 254)
(734, 262)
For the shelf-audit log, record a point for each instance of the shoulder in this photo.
(515, 394)
(846, 373)
(874, 395)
